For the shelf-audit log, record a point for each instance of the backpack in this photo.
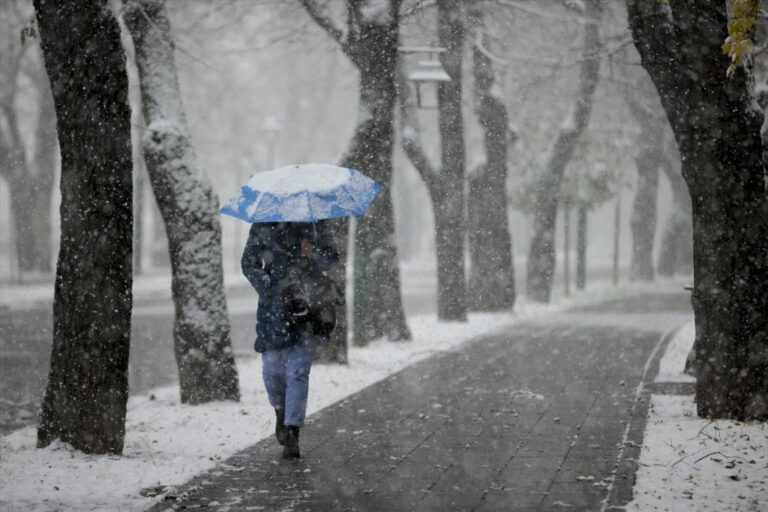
(310, 299)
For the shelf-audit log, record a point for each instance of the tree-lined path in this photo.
(546, 415)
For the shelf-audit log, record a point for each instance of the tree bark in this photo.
(202, 339)
(336, 351)
(581, 250)
(718, 133)
(370, 40)
(541, 256)
(87, 390)
(491, 275)
(448, 199)
(444, 182)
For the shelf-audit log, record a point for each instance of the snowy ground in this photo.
(167, 443)
(691, 464)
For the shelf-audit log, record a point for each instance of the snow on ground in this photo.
(692, 464)
(672, 364)
(168, 443)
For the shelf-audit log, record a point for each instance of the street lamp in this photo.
(427, 74)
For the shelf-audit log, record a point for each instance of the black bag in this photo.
(310, 299)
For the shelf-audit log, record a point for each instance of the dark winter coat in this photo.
(272, 263)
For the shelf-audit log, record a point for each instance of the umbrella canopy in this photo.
(302, 193)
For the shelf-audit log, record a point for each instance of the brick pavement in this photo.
(542, 417)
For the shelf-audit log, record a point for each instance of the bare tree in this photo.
(27, 167)
(202, 338)
(676, 251)
(370, 39)
(718, 135)
(87, 390)
(491, 270)
(648, 161)
(541, 256)
(445, 182)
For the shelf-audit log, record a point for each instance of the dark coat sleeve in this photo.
(325, 253)
(252, 263)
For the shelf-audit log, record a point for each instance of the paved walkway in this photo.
(546, 416)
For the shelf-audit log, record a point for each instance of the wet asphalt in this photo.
(548, 415)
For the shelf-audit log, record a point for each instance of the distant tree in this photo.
(718, 134)
(491, 270)
(445, 182)
(676, 251)
(370, 39)
(593, 176)
(85, 398)
(648, 161)
(27, 166)
(202, 334)
(541, 256)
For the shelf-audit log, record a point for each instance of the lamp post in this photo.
(426, 74)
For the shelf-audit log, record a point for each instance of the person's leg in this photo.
(297, 382)
(273, 373)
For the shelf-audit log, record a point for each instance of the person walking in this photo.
(286, 263)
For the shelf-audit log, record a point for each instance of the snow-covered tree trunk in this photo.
(189, 207)
(541, 256)
(718, 133)
(370, 40)
(676, 251)
(85, 398)
(491, 271)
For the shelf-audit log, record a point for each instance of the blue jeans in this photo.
(286, 377)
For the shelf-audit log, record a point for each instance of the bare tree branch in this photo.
(325, 21)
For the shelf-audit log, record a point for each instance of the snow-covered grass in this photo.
(167, 443)
(692, 464)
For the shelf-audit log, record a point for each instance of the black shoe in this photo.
(291, 447)
(281, 431)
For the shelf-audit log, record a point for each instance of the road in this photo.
(546, 416)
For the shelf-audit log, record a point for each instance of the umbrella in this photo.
(302, 193)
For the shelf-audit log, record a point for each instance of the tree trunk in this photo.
(567, 249)
(31, 187)
(370, 40)
(581, 250)
(643, 219)
(647, 162)
(377, 307)
(491, 276)
(718, 133)
(448, 198)
(676, 251)
(201, 331)
(87, 391)
(616, 239)
(541, 256)
(337, 350)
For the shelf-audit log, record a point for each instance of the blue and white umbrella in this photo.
(303, 193)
